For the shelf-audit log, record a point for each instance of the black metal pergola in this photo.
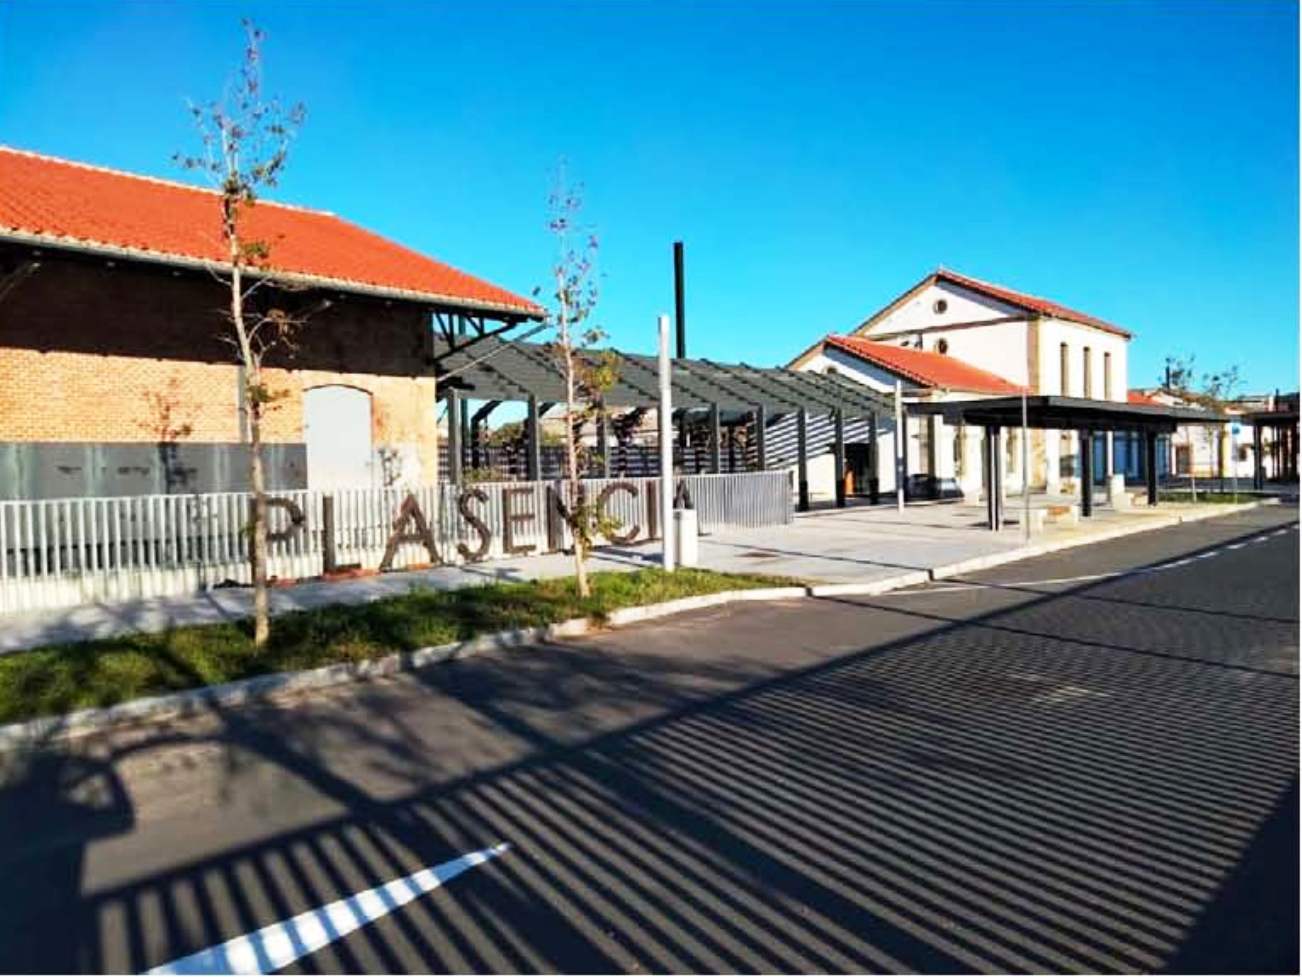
(496, 370)
(1045, 412)
(1283, 423)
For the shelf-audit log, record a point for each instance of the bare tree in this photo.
(246, 137)
(588, 373)
(1214, 392)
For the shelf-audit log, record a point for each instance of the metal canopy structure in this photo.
(1282, 421)
(1063, 414)
(1067, 414)
(495, 370)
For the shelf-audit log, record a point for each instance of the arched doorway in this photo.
(337, 431)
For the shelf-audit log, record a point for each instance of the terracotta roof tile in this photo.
(1141, 397)
(63, 203)
(1030, 302)
(925, 367)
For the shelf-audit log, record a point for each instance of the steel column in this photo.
(532, 442)
(874, 478)
(1150, 464)
(1086, 474)
(1258, 471)
(716, 441)
(802, 461)
(467, 436)
(455, 408)
(994, 479)
(761, 438)
(838, 450)
(603, 441)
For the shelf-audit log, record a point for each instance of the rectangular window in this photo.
(1064, 368)
(1088, 373)
(1107, 376)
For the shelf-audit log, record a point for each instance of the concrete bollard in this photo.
(1117, 494)
(685, 534)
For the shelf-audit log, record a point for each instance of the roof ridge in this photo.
(146, 178)
(944, 272)
(857, 342)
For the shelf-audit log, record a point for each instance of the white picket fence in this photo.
(67, 552)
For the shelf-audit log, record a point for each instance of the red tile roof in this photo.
(1140, 397)
(66, 204)
(1022, 300)
(925, 367)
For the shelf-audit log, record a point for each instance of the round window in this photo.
(942, 346)
(939, 306)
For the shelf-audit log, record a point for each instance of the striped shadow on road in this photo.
(984, 796)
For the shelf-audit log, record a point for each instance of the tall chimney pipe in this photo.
(680, 309)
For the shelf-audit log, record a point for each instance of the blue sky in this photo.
(1138, 161)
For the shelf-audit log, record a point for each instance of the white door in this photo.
(337, 430)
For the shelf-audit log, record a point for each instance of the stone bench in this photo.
(1066, 514)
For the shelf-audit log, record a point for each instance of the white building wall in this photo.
(1054, 333)
(822, 468)
(996, 337)
(920, 312)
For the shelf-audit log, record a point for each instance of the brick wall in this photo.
(92, 353)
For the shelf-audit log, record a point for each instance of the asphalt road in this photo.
(1084, 762)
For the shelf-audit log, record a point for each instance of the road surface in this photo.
(1082, 762)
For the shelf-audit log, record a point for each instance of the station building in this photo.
(951, 336)
(115, 374)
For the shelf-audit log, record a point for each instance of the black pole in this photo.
(990, 472)
(838, 450)
(1150, 453)
(716, 441)
(1086, 474)
(1258, 472)
(454, 437)
(532, 442)
(802, 461)
(874, 483)
(680, 308)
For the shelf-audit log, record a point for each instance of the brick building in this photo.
(114, 374)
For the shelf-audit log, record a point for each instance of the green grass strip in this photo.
(57, 679)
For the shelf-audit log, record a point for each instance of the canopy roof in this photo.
(1067, 414)
(496, 369)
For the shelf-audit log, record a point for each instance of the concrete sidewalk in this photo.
(857, 546)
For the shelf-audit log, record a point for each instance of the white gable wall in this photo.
(1078, 338)
(919, 312)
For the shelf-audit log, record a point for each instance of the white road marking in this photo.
(1185, 561)
(280, 944)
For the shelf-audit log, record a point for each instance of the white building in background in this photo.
(952, 456)
(1014, 339)
(1215, 450)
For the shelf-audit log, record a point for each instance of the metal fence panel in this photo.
(64, 552)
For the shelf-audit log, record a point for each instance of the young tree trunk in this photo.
(572, 459)
(257, 484)
(258, 544)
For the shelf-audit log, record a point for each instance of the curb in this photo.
(50, 729)
(1043, 549)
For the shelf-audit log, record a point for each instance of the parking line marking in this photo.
(280, 944)
(1137, 571)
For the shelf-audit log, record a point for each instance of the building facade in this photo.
(1022, 342)
(117, 376)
